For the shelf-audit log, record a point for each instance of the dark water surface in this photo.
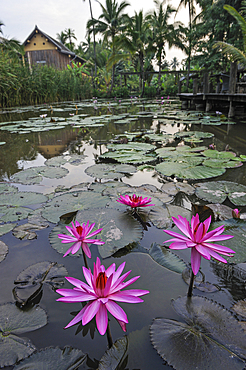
(26, 150)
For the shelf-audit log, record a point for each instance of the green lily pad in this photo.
(218, 191)
(143, 147)
(73, 202)
(50, 358)
(109, 171)
(56, 161)
(115, 356)
(161, 217)
(3, 250)
(236, 228)
(173, 188)
(22, 198)
(15, 214)
(119, 230)
(218, 155)
(132, 157)
(166, 258)
(27, 177)
(6, 188)
(52, 172)
(6, 228)
(14, 321)
(210, 338)
(221, 163)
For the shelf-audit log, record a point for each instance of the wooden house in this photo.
(42, 49)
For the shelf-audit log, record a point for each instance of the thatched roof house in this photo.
(42, 49)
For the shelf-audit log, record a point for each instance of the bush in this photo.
(150, 91)
(120, 92)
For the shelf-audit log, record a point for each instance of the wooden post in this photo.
(205, 83)
(179, 85)
(233, 78)
(125, 80)
(195, 86)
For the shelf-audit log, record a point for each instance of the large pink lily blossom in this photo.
(103, 289)
(81, 236)
(134, 201)
(199, 240)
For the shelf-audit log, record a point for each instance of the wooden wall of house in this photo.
(50, 57)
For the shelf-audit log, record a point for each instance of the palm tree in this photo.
(174, 63)
(192, 13)
(1, 24)
(136, 40)
(110, 24)
(94, 40)
(236, 55)
(61, 37)
(70, 35)
(163, 32)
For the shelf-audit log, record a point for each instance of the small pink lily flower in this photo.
(81, 235)
(235, 213)
(199, 240)
(103, 289)
(43, 115)
(134, 201)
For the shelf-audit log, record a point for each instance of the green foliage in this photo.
(150, 91)
(120, 92)
(21, 86)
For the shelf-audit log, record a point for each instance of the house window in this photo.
(43, 43)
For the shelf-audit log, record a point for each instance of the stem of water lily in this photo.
(109, 337)
(85, 260)
(189, 294)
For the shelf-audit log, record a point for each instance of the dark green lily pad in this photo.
(236, 228)
(72, 202)
(119, 230)
(50, 358)
(161, 217)
(211, 153)
(218, 191)
(14, 321)
(115, 356)
(50, 273)
(22, 198)
(211, 338)
(56, 161)
(109, 170)
(132, 157)
(173, 188)
(143, 147)
(15, 214)
(6, 188)
(221, 163)
(3, 250)
(166, 258)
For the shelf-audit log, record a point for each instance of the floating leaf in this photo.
(52, 172)
(173, 188)
(211, 338)
(109, 171)
(56, 161)
(240, 307)
(27, 177)
(22, 198)
(15, 214)
(199, 281)
(6, 188)
(218, 191)
(72, 202)
(115, 356)
(3, 250)
(161, 217)
(4, 229)
(119, 230)
(50, 358)
(14, 321)
(211, 153)
(166, 258)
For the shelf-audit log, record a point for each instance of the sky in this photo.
(53, 16)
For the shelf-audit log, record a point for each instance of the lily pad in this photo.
(3, 250)
(211, 338)
(161, 217)
(50, 358)
(236, 228)
(173, 188)
(6, 188)
(211, 153)
(119, 230)
(22, 198)
(143, 147)
(27, 177)
(240, 308)
(115, 356)
(109, 171)
(132, 157)
(52, 172)
(6, 228)
(15, 214)
(14, 321)
(73, 202)
(218, 191)
(166, 258)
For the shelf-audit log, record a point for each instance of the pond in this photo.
(72, 161)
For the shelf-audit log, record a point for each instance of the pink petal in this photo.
(205, 252)
(116, 311)
(195, 260)
(183, 225)
(87, 275)
(176, 235)
(219, 248)
(86, 249)
(218, 238)
(102, 319)
(207, 223)
(68, 251)
(78, 317)
(91, 311)
(67, 238)
(178, 245)
(122, 325)
(218, 257)
(82, 297)
(120, 297)
(75, 282)
(75, 247)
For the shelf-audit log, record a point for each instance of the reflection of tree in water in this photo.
(15, 149)
(232, 278)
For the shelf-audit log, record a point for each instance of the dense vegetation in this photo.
(128, 44)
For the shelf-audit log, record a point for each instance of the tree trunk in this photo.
(159, 78)
(94, 40)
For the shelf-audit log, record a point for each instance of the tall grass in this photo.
(20, 85)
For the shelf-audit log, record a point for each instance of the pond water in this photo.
(52, 150)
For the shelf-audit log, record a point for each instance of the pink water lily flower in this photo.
(134, 201)
(199, 240)
(81, 236)
(103, 290)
